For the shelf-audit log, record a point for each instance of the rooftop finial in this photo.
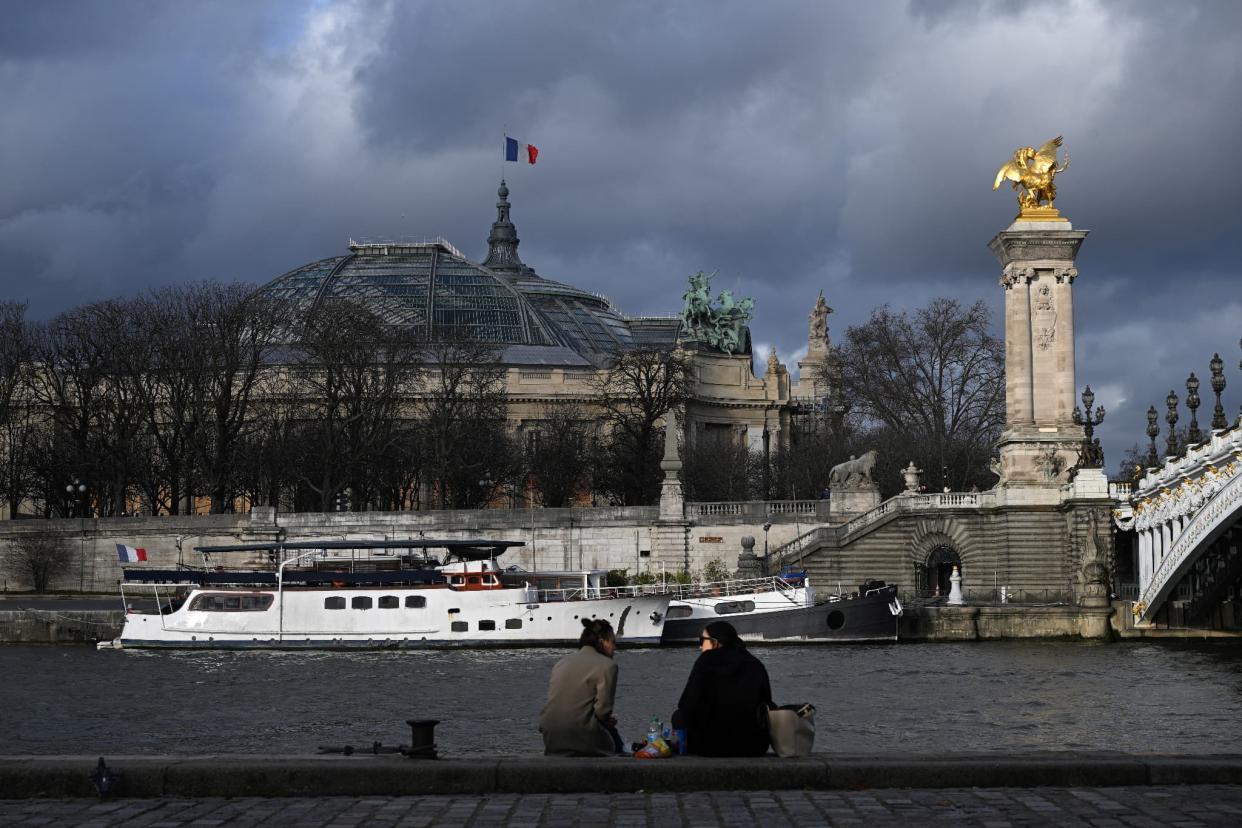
(502, 242)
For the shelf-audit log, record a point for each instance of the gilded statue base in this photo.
(1040, 214)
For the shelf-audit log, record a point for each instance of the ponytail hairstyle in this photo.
(726, 634)
(595, 631)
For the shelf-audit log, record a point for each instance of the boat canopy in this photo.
(466, 549)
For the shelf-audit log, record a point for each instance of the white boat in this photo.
(376, 594)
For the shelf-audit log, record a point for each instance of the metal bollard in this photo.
(105, 779)
(422, 738)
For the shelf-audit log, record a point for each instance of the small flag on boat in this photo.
(512, 149)
(130, 554)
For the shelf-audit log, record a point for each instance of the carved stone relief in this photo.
(1044, 316)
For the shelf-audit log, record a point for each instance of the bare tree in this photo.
(39, 557)
(720, 466)
(636, 391)
(353, 373)
(67, 383)
(557, 454)
(931, 385)
(15, 345)
(235, 327)
(171, 380)
(461, 406)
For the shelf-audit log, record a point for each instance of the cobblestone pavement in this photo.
(1145, 806)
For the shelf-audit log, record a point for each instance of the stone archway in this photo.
(936, 546)
(937, 570)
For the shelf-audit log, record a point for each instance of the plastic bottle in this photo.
(653, 732)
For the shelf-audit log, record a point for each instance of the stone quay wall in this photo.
(573, 539)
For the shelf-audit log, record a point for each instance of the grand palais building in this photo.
(552, 337)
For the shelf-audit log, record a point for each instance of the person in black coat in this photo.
(724, 706)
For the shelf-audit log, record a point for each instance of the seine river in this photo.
(1001, 696)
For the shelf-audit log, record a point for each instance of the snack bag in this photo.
(649, 751)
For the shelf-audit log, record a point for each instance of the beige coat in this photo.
(580, 697)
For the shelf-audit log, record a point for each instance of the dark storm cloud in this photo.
(791, 147)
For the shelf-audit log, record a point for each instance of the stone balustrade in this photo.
(760, 509)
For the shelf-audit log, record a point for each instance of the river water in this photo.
(934, 697)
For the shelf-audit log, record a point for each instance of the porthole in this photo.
(487, 625)
(334, 602)
(513, 623)
(388, 602)
(459, 626)
(362, 602)
(415, 601)
(836, 620)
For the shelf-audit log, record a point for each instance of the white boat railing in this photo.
(596, 593)
(741, 586)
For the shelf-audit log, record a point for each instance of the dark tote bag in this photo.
(791, 727)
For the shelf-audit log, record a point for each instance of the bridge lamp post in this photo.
(1153, 431)
(1193, 434)
(1171, 418)
(1219, 423)
(1091, 459)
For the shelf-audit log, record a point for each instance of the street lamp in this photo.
(1171, 418)
(76, 493)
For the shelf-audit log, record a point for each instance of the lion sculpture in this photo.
(854, 473)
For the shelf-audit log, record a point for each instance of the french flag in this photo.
(513, 149)
(130, 554)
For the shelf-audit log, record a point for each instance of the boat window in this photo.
(334, 602)
(221, 602)
(388, 602)
(731, 607)
(457, 580)
(680, 611)
(474, 579)
(487, 625)
(415, 601)
(361, 602)
(459, 626)
(513, 623)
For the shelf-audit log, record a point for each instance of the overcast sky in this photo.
(791, 147)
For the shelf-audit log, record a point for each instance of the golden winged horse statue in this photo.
(1031, 173)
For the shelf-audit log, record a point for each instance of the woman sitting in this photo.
(577, 719)
(724, 706)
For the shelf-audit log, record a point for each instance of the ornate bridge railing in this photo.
(1180, 509)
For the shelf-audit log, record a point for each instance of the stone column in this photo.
(1040, 442)
(1063, 349)
(1144, 559)
(669, 537)
(1016, 281)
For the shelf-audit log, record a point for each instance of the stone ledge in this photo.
(33, 777)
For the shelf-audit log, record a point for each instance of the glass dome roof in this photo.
(433, 288)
